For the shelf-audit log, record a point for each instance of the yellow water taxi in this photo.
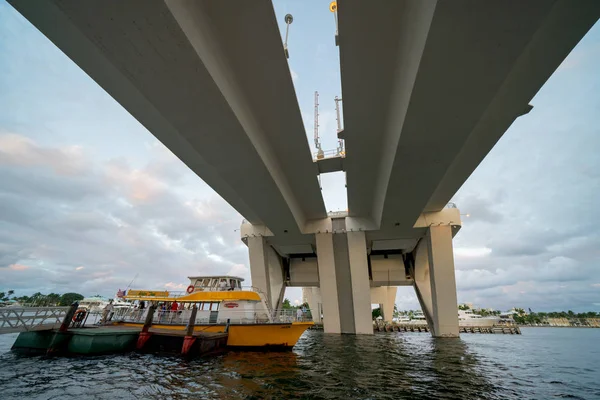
(222, 305)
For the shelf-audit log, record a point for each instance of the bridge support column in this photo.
(266, 270)
(387, 307)
(435, 283)
(312, 296)
(344, 282)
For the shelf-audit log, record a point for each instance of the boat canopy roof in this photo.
(195, 297)
(216, 277)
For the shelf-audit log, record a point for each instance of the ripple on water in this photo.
(382, 366)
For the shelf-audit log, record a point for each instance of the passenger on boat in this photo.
(107, 313)
(223, 285)
(299, 314)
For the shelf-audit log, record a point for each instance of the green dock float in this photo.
(104, 340)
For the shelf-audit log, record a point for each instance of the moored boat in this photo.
(221, 304)
(469, 318)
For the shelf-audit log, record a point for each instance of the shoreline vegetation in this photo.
(562, 319)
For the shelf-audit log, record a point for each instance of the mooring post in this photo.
(189, 339)
(144, 334)
(67, 321)
(57, 340)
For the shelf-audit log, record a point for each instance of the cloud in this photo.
(21, 151)
(294, 75)
(116, 219)
(468, 252)
(18, 267)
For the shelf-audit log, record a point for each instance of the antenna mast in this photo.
(320, 153)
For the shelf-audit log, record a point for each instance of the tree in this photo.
(286, 304)
(6, 296)
(463, 307)
(69, 298)
(376, 312)
(52, 299)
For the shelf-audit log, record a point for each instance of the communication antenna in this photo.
(131, 283)
(320, 153)
(288, 21)
(340, 148)
(333, 8)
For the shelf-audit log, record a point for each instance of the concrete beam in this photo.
(452, 77)
(194, 74)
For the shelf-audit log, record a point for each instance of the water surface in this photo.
(543, 363)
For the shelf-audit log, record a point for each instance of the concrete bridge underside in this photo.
(429, 87)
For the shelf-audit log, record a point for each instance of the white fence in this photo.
(23, 319)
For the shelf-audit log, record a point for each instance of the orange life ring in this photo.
(76, 317)
(190, 289)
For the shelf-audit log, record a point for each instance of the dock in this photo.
(58, 331)
(387, 327)
(495, 329)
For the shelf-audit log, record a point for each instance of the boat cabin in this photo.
(214, 283)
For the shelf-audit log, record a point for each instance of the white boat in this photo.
(96, 304)
(418, 318)
(93, 304)
(401, 319)
(469, 318)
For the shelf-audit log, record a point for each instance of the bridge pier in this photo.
(312, 296)
(345, 270)
(266, 270)
(385, 296)
(435, 283)
(344, 281)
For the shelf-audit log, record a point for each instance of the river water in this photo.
(542, 363)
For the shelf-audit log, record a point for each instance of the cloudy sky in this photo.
(90, 200)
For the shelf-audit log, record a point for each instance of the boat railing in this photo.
(292, 315)
(208, 317)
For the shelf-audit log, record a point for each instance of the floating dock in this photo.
(114, 339)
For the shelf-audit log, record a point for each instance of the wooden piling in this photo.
(144, 334)
(189, 339)
(67, 321)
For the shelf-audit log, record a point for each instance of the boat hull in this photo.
(282, 336)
